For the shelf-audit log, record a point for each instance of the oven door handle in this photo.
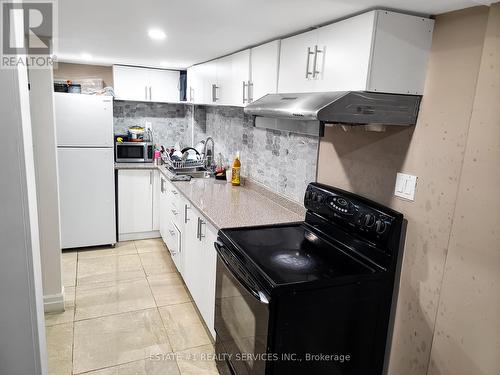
(257, 294)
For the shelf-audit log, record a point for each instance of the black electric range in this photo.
(312, 297)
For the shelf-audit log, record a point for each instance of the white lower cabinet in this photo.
(199, 264)
(171, 229)
(137, 198)
(190, 239)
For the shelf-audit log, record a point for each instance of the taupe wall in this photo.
(467, 338)
(78, 71)
(434, 150)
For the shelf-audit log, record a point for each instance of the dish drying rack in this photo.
(182, 165)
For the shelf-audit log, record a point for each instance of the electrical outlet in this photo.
(147, 125)
(405, 186)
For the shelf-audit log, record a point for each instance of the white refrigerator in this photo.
(84, 127)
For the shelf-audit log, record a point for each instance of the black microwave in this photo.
(134, 152)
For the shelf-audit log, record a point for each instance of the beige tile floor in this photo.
(128, 312)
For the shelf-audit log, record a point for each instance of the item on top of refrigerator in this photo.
(235, 175)
(119, 139)
(60, 86)
(74, 88)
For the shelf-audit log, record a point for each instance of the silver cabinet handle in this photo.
(145, 92)
(172, 233)
(174, 212)
(202, 222)
(309, 53)
(250, 91)
(151, 177)
(191, 94)
(215, 90)
(149, 92)
(198, 230)
(245, 86)
(174, 192)
(186, 214)
(315, 61)
(162, 185)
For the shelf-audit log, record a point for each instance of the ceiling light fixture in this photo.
(156, 34)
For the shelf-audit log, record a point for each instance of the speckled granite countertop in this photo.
(227, 206)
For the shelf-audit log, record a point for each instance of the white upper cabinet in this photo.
(209, 74)
(143, 84)
(264, 70)
(130, 83)
(200, 83)
(224, 81)
(194, 83)
(233, 73)
(342, 56)
(164, 85)
(375, 51)
(296, 59)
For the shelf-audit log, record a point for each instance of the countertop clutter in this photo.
(226, 206)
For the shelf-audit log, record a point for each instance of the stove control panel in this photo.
(366, 217)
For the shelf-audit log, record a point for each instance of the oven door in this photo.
(241, 317)
(127, 153)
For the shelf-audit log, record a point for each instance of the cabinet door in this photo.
(343, 56)
(208, 72)
(195, 84)
(209, 256)
(400, 51)
(264, 70)
(156, 200)
(135, 201)
(163, 207)
(164, 85)
(232, 79)
(131, 83)
(296, 61)
(192, 262)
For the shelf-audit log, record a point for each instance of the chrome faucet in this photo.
(209, 153)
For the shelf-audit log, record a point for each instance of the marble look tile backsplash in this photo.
(282, 161)
(170, 123)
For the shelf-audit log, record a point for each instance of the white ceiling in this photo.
(115, 31)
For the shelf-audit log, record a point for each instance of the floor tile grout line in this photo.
(161, 318)
(144, 359)
(157, 308)
(114, 314)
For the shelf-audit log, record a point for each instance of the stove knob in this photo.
(368, 220)
(380, 226)
(320, 198)
(308, 195)
(313, 196)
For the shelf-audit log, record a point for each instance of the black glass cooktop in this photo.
(292, 254)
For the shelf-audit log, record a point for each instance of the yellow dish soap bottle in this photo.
(235, 179)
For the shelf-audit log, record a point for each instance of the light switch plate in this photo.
(405, 186)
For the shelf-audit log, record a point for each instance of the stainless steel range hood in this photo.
(307, 113)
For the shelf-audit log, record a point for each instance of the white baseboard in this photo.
(138, 235)
(53, 302)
